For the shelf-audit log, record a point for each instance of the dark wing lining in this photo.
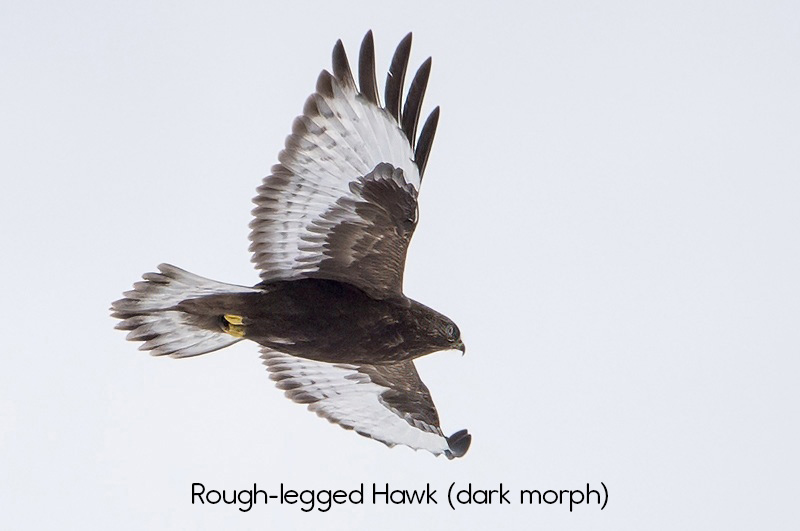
(366, 237)
(310, 210)
(388, 403)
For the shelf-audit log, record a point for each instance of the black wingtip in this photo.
(325, 84)
(459, 444)
(396, 77)
(366, 69)
(416, 93)
(341, 66)
(425, 143)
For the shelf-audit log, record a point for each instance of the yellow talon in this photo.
(234, 325)
(233, 319)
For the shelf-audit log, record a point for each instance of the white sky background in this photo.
(610, 214)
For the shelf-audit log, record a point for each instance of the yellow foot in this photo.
(233, 325)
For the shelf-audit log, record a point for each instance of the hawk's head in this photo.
(437, 331)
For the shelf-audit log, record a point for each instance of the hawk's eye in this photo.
(450, 331)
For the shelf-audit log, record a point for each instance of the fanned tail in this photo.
(149, 311)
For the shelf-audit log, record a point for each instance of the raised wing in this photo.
(342, 203)
(388, 403)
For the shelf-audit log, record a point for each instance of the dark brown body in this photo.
(326, 320)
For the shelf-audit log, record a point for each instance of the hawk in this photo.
(330, 233)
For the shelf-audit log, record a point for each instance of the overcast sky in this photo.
(610, 214)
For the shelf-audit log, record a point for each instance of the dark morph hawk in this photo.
(330, 235)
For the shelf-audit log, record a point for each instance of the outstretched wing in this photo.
(342, 203)
(388, 403)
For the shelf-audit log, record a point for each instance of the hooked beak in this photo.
(459, 345)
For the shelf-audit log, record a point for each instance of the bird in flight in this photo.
(330, 233)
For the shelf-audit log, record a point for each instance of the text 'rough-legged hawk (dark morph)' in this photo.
(330, 235)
